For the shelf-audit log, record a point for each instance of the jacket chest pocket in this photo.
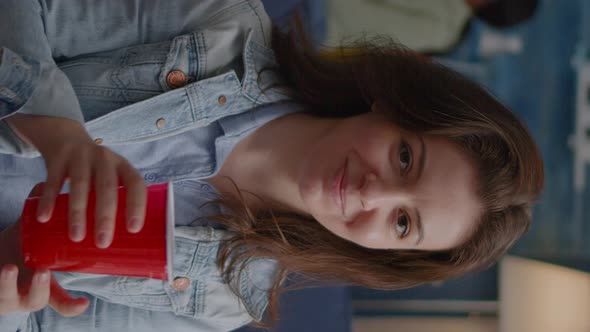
(210, 300)
(134, 292)
(109, 80)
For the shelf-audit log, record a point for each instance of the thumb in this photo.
(61, 301)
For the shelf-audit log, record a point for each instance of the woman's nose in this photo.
(376, 192)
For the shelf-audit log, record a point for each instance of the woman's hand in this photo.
(26, 290)
(36, 298)
(69, 152)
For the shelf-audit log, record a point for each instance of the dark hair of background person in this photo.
(421, 97)
(506, 13)
(496, 13)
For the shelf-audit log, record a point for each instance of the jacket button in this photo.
(181, 283)
(160, 123)
(98, 141)
(221, 100)
(176, 79)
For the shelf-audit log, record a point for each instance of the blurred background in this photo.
(532, 55)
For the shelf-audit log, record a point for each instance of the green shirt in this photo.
(423, 25)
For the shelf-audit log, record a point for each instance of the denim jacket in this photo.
(170, 85)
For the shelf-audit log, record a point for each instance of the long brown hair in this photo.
(422, 97)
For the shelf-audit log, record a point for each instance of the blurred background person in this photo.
(423, 25)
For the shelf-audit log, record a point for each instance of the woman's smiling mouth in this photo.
(337, 188)
(342, 188)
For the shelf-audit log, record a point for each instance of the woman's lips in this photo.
(343, 183)
(337, 190)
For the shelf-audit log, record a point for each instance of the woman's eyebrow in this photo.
(421, 163)
(419, 227)
(422, 160)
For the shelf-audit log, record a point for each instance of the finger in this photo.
(79, 186)
(55, 177)
(9, 298)
(136, 196)
(106, 199)
(63, 303)
(38, 295)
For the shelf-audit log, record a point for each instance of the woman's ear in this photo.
(374, 107)
(378, 106)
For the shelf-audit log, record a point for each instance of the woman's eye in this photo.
(405, 157)
(402, 226)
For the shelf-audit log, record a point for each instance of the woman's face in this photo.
(371, 183)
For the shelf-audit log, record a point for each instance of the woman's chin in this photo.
(309, 190)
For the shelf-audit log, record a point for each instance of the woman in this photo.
(378, 168)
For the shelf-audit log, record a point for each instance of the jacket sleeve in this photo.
(35, 32)
(102, 316)
(30, 81)
(14, 322)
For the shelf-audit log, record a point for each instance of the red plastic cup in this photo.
(144, 254)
